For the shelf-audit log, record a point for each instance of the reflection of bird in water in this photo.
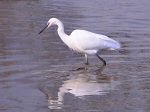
(83, 85)
(84, 41)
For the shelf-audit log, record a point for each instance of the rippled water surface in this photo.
(36, 71)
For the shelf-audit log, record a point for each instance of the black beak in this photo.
(43, 29)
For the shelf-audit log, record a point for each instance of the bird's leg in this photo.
(104, 62)
(86, 64)
(86, 59)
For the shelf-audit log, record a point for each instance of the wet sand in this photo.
(36, 71)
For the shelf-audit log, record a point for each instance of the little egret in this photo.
(83, 41)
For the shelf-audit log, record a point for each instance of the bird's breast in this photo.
(74, 46)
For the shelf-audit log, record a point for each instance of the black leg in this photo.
(86, 59)
(104, 62)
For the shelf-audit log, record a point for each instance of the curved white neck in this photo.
(61, 32)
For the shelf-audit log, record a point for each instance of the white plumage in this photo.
(89, 41)
(84, 41)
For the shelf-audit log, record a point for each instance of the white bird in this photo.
(83, 41)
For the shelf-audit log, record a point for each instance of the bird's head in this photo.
(51, 21)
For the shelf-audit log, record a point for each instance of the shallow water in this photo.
(36, 71)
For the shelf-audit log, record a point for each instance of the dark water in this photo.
(36, 70)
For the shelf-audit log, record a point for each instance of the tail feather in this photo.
(112, 45)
